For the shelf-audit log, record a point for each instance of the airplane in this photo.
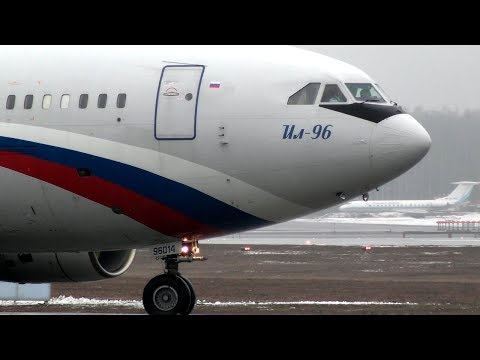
(109, 149)
(458, 196)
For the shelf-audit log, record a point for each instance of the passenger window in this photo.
(305, 96)
(47, 101)
(102, 101)
(28, 103)
(83, 103)
(121, 100)
(10, 102)
(65, 101)
(333, 94)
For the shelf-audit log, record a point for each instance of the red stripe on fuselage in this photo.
(146, 211)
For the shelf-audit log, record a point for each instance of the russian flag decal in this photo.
(214, 85)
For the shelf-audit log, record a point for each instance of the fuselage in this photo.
(458, 196)
(396, 206)
(182, 142)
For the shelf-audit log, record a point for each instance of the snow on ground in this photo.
(71, 301)
(390, 219)
(262, 303)
(85, 302)
(286, 252)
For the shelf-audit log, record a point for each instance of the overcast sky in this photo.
(429, 75)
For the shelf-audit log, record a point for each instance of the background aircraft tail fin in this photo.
(461, 193)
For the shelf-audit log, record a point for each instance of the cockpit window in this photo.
(305, 96)
(333, 94)
(365, 92)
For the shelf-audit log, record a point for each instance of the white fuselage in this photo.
(395, 206)
(199, 149)
(458, 196)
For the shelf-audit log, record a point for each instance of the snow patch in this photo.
(283, 262)
(71, 301)
(263, 303)
(390, 219)
(264, 252)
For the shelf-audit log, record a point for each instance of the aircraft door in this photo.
(177, 102)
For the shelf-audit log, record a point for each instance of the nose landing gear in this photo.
(170, 293)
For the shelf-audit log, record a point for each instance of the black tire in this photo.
(193, 298)
(167, 295)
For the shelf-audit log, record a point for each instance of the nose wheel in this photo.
(193, 299)
(168, 294)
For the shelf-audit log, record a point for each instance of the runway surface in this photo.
(295, 279)
(309, 266)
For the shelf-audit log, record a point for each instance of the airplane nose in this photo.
(397, 144)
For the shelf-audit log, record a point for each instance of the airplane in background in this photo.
(458, 196)
(108, 149)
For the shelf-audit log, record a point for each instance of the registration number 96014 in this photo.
(167, 249)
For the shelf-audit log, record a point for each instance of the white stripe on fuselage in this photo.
(244, 196)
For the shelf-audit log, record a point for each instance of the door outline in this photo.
(196, 102)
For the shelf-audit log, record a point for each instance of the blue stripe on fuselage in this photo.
(180, 197)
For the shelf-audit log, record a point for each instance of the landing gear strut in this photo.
(170, 293)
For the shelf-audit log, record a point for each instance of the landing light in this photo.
(246, 248)
(341, 195)
(185, 249)
(365, 197)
